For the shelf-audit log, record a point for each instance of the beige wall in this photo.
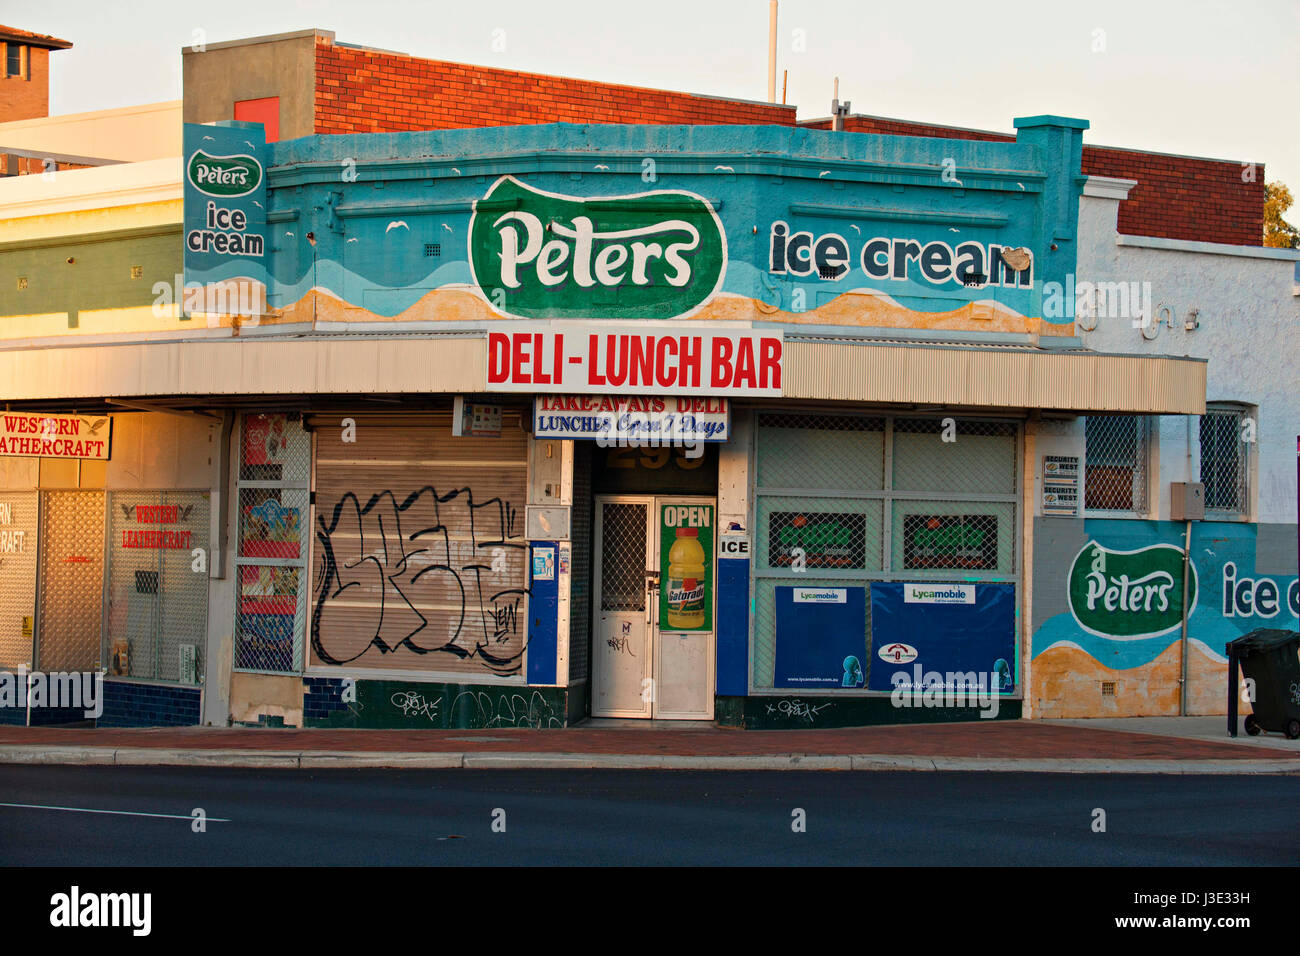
(223, 73)
(161, 451)
(150, 451)
(130, 134)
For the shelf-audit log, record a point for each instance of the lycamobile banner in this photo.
(1130, 594)
(653, 255)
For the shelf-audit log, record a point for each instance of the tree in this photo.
(1278, 233)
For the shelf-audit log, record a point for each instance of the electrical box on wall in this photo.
(547, 524)
(1186, 501)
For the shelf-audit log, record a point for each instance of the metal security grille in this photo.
(853, 499)
(18, 557)
(622, 556)
(271, 557)
(420, 557)
(1225, 461)
(1115, 473)
(157, 585)
(71, 581)
(580, 580)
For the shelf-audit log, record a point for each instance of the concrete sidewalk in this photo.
(1014, 746)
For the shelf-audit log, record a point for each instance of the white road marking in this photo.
(121, 813)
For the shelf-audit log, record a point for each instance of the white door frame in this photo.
(653, 640)
(597, 593)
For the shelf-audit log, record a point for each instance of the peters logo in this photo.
(654, 255)
(1130, 594)
(224, 176)
(897, 653)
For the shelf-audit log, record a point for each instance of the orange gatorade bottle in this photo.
(687, 570)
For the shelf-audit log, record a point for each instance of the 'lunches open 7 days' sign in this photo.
(34, 435)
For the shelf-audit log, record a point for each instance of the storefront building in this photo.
(769, 426)
(1236, 306)
(455, 358)
(104, 506)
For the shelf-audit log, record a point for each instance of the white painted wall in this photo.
(1249, 331)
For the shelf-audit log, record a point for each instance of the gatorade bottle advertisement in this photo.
(686, 567)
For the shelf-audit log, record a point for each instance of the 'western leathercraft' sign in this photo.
(33, 435)
(224, 176)
(653, 255)
(1130, 594)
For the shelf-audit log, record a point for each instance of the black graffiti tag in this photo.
(377, 580)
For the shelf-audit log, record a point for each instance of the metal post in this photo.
(1232, 689)
(771, 52)
(1182, 681)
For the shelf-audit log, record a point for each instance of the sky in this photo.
(1210, 79)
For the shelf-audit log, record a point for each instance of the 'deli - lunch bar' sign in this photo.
(33, 435)
(633, 360)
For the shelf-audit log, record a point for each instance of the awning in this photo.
(993, 377)
(857, 370)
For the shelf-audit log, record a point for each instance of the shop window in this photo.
(1116, 464)
(157, 577)
(18, 562)
(846, 504)
(274, 472)
(1225, 460)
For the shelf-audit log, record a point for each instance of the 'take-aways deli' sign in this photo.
(28, 435)
(610, 418)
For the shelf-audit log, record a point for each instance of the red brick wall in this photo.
(14, 165)
(1180, 198)
(1176, 197)
(21, 98)
(360, 91)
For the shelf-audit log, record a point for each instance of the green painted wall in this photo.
(100, 276)
(412, 705)
(809, 713)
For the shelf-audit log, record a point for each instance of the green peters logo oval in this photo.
(225, 176)
(1130, 594)
(655, 255)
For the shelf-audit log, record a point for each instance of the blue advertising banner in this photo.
(226, 244)
(944, 634)
(820, 637)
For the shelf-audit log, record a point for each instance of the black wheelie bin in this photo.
(1270, 658)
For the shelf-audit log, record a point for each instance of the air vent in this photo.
(827, 272)
(1108, 688)
(432, 249)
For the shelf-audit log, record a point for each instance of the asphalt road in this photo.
(445, 818)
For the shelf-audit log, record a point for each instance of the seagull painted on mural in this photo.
(289, 234)
(455, 170)
(395, 224)
(824, 172)
(249, 145)
(353, 239)
(602, 166)
(256, 203)
(726, 168)
(1021, 185)
(855, 229)
(209, 137)
(447, 227)
(953, 229)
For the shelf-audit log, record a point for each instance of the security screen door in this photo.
(643, 664)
